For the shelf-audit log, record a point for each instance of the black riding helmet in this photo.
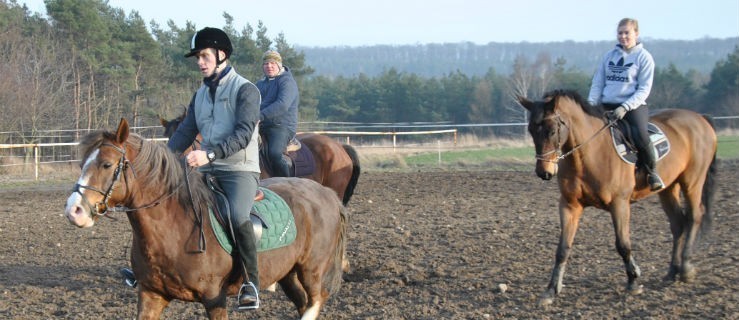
(210, 38)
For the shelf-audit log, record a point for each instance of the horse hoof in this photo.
(345, 267)
(687, 277)
(545, 300)
(635, 289)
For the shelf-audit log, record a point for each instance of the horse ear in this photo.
(526, 103)
(122, 133)
(163, 121)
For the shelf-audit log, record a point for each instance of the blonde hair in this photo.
(627, 21)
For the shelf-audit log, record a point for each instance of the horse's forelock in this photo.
(92, 141)
(538, 112)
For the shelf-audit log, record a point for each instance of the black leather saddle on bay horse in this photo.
(625, 147)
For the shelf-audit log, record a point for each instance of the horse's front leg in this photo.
(569, 216)
(621, 215)
(150, 305)
(216, 305)
(216, 312)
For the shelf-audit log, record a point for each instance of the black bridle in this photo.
(101, 208)
(557, 150)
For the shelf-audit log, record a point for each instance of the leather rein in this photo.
(557, 147)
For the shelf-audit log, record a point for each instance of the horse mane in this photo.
(156, 163)
(595, 111)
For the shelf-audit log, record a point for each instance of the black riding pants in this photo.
(637, 121)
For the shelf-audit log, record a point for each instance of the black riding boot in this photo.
(247, 250)
(650, 163)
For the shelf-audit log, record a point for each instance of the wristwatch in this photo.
(211, 156)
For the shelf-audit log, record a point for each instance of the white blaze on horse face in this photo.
(76, 212)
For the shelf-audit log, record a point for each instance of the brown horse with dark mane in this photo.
(175, 253)
(571, 142)
(336, 164)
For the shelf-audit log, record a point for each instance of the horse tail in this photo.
(709, 188)
(349, 192)
(332, 278)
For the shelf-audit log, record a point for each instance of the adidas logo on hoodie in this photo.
(616, 69)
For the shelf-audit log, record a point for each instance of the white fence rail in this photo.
(36, 154)
(27, 155)
(393, 134)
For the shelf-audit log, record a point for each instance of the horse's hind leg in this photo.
(294, 291)
(694, 211)
(670, 200)
(312, 282)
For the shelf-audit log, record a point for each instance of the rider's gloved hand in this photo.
(617, 114)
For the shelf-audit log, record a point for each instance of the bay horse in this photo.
(122, 172)
(570, 142)
(336, 164)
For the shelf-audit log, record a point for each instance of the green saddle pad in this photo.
(278, 226)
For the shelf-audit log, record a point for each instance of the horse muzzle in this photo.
(78, 214)
(546, 170)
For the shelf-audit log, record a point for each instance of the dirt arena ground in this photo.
(423, 245)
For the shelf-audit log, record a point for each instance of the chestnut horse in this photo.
(571, 142)
(337, 165)
(122, 172)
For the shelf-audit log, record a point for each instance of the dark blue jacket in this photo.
(280, 100)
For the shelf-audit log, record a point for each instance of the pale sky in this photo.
(398, 22)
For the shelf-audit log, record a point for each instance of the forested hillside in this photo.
(432, 60)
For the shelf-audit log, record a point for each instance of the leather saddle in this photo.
(624, 146)
(223, 211)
